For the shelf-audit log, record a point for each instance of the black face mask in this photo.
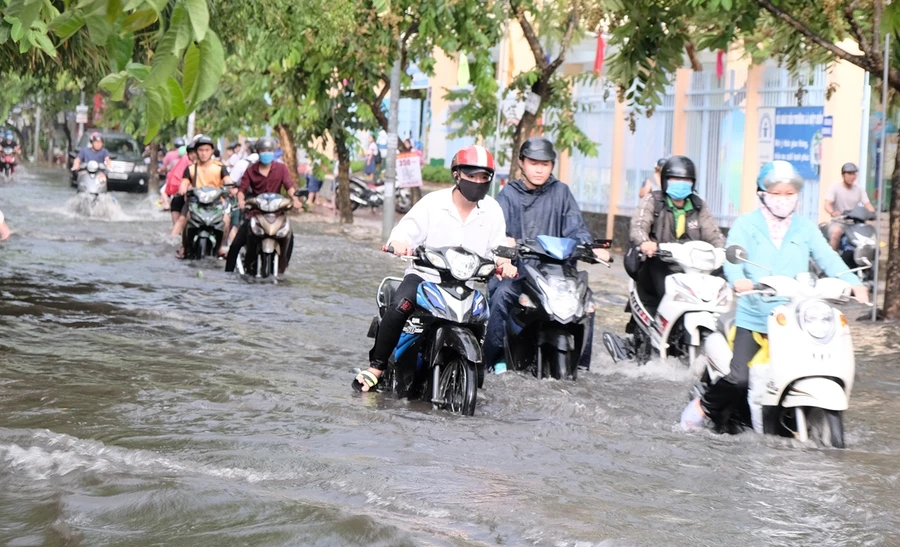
(472, 191)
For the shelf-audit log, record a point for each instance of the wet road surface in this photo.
(147, 401)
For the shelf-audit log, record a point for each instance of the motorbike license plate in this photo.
(118, 176)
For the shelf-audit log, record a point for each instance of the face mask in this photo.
(182, 150)
(781, 206)
(472, 191)
(677, 189)
(266, 158)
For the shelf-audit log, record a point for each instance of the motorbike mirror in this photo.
(113, 156)
(506, 252)
(735, 254)
(302, 193)
(602, 244)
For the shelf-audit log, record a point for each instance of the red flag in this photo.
(598, 59)
(720, 64)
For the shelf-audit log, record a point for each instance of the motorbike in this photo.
(203, 234)
(367, 194)
(439, 355)
(688, 311)
(548, 325)
(8, 161)
(857, 244)
(272, 231)
(803, 384)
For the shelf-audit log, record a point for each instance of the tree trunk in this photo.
(290, 153)
(892, 279)
(153, 172)
(342, 202)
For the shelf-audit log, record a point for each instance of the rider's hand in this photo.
(649, 248)
(835, 213)
(861, 293)
(743, 285)
(602, 254)
(400, 248)
(505, 268)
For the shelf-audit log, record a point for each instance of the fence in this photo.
(651, 140)
(591, 176)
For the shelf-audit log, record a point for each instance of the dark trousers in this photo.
(243, 238)
(502, 294)
(726, 401)
(651, 283)
(398, 311)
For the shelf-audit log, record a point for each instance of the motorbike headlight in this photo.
(562, 296)
(817, 319)
(462, 264)
(436, 260)
(283, 231)
(256, 228)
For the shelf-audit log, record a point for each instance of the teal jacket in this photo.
(802, 241)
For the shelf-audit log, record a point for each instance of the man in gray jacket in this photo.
(538, 204)
(673, 214)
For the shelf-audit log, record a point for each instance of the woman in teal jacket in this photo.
(774, 237)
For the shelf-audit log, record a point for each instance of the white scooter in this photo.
(805, 386)
(688, 311)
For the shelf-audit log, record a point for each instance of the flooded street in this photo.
(149, 401)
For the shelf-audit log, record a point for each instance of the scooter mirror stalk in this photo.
(736, 254)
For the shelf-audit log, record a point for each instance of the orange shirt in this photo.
(211, 174)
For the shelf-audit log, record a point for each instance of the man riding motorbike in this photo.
(843, 197)
(463, 216)
(262, 177)
(538, 204)
(764, 234)
(206, 171)
(96, 152)
(674, 214)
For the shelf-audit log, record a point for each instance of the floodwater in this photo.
(147, 401)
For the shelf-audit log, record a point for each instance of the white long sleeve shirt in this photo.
(435, 222)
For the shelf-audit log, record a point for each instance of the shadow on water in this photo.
(148, 401)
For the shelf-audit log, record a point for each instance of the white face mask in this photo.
(781, 206)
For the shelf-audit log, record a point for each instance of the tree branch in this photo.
(859, 60)
(691, 51)
(855, 29)
(571, 23)
(530, 36)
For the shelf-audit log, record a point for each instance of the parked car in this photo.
(127, 170)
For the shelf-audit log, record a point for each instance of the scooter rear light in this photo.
(781, 319)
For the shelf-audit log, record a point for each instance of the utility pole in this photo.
(879, 181)
(390, 172)
(37, 130)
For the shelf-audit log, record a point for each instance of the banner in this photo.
(798, 138)
(409, 170)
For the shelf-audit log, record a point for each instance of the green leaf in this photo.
(182, 27)
(26, 11)
(17, 32)
(198, 13)
(382, 7)
(138, 71)
(726, 4)
(99, 30)
(165, 61)
(190, 70)
(45, 44)
(210, 69)
(155, 114)
(115, 84)
(142, 18)
(67, 24)
(4, 34)
(119, 50)
(176, 96)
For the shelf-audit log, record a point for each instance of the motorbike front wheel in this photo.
(457, 386)
(557, 363)
(267, 265)
(203, 244)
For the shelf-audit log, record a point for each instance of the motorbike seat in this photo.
(725, 322)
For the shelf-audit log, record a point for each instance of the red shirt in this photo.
(254, 183)
(174, 176)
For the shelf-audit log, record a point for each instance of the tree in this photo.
(547, 26)
(135, 50)
(652, 38)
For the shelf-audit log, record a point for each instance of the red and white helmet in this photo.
(473, 160)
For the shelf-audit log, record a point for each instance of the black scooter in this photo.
(857, 244)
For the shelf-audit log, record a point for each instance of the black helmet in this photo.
(849, 168)
(537, 149)
(203, 139)
(660, 162)
(265, 143)
(679, 167)
(178, 142)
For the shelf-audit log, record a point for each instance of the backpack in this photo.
(378, 158)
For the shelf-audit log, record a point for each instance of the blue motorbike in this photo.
(439, 355)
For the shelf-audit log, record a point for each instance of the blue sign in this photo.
(827, 125)
(798, 138)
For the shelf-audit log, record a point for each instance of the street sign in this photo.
(81, 114)
(827, 125)
(409, 170)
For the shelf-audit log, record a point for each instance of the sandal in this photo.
(179, 254)
(369, 379)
